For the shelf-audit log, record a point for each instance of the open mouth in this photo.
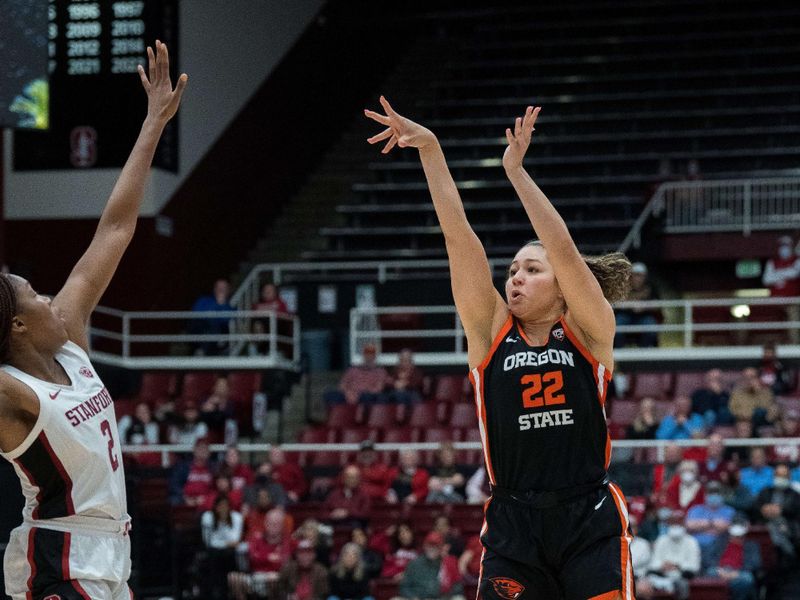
(516, 294)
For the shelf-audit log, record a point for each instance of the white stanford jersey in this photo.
(70, 464)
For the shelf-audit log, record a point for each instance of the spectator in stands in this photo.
(454, 542)
(645, 424)
(682, 424)
(640, 548)
(223, 487)
(254, 514)
(782, 277)
(303, 578)
(320, 536)
(655, 523)
(707, 521)
(735, 495)
(676, 559)
(787, 427)
(373, 560)
(289, 475)
(469, 563)
(641, 290)
(189, 428)
(741, 454)
(711, 401)
(138, 429)
(218, 407)
(270, 299)
(759, 475)
(751, 400)
(736, 560)
(446, 484)
(714, 464)
(410, 481)
(664, 473)
(191, 481)
(376, 475)
(477, 488)
(217, 301)
(349, 504)
(772, 373)
(222, 532)
(363, 384)
(240, 473)
(778, 506)
(263, 479)
(349, 579)
(406, 380)
(267, 554)
(434, 574)
(685, 491)
(401, 550)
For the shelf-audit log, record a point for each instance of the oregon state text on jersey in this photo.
(70, 464)
(541, 411)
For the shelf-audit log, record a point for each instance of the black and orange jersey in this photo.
(541, 411)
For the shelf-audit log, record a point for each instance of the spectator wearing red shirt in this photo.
(410, 481)
(289, 475)
(267, 555)
(685, 491)
(199, 482)
(407, 379)
(714, 465)
(469, 563)
(255, 514)
(376, 475)
(664, 473)
(736, 560)
(782, 277)
(223, 487)
(362, 384)
(349, 504)
(271, 300)
(240, 474)
(401, 550)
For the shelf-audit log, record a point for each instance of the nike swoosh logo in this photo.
(511, 340)
(599, 504)
(54, 396)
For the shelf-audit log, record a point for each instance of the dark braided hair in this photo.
(8, 308)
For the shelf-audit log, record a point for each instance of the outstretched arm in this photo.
(586, 305)
(93, 272)
(478, 303)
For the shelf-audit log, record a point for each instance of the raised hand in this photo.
(520, 139)
(399, 130)
(162, 100)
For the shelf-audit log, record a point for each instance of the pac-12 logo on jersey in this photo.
(52, 597)
(86, 372)
(507, 588)
(558, 334)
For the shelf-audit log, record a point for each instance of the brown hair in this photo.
(8, 308)
(612, 271)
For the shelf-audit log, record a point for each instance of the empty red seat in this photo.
(467, 518)
(342, 415)
(624, 411)
(356, 435)
(197, 386)
(760, 534)
(243, 384)
(328, 459)
(384, 589)
(382, 416)
(449, 388)
(423, 415)
(463, 416)
(687, 382)
(124, 406)
(316, 435)
(708, 588)
(470, 457)
(438, 434)
(157, 385)
(657, 385)
(423, 516)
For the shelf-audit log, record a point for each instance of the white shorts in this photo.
(48, 564)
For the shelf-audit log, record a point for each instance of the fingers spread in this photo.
(143, 77)
(182, 81)
(381, 136)
(163, 62)
(389, 145)
(509, 137)
(387, 107)
(517, 126)
(151, 65)
(383, 120)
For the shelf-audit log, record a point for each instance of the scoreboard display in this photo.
(97, 102)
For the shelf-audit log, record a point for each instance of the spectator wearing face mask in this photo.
(778, 507)
(676, 559)
(736, 560)
(708, 521)
(686, 490)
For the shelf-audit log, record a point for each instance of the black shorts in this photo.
(578, 550)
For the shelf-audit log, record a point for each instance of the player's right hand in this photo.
(162, 100)
(399, 130)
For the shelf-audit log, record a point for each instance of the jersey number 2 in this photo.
(105, 427)
(552, 382)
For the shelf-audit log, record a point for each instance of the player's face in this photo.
(45, 329)
(531, 286)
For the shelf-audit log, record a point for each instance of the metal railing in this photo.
(195, 340)
(732, 205)
(445, 344)
(167, 451)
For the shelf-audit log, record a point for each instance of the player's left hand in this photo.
(520, 138)
(162, 100)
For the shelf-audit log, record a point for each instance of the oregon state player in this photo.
(540, 362)
(57, 423)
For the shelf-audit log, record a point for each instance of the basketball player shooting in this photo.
(57, 423)
(540, 361)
